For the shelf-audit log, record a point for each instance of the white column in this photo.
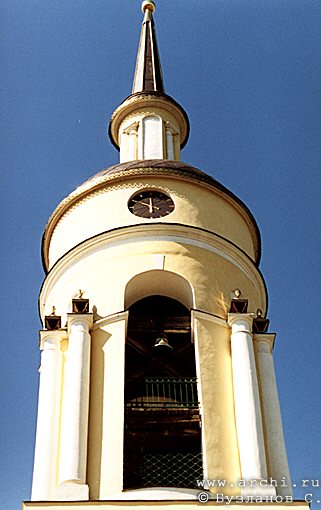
(247, 404)
(44, 473)
(169, 144)
(74, 426)
(278, 463)
(132, 144)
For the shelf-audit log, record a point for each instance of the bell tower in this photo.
(157, 380)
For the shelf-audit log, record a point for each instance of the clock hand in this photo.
(143, 203)
(147, 205)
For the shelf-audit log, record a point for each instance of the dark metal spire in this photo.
(148, 74)
(148, 91)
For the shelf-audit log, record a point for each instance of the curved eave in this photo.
(170, 169)
(140, 99)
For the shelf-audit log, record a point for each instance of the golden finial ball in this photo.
(237, 293)
(148, 5)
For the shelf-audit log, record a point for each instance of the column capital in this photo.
(264, 342)
(83, 319)
(51, 339)
(241, 320)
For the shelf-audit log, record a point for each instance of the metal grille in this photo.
(162, 392)
(171, 470)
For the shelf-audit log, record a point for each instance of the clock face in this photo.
(151, 204)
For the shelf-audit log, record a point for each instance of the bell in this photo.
(162, 341)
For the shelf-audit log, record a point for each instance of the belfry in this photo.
(157, 383)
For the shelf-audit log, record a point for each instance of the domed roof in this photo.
(177, 168)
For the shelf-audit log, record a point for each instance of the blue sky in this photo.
(248, 74)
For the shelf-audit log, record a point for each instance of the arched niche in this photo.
(161, 283)
(152, 139)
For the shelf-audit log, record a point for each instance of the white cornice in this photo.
(199, 314)
(142, 100)
(114, 317)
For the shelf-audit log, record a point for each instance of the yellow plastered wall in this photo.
(104, 270)
(213, 354)
(195, 204)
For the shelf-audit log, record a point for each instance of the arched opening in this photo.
(159, 282)
(162, 441)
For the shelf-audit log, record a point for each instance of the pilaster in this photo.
(115, 328)
(211, 336)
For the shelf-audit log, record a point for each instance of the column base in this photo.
(72, 492)
(258, 489)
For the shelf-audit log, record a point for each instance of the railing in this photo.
(160, 392)
(166, 470)
(172, 470)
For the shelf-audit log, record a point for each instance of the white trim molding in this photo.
(175, 233)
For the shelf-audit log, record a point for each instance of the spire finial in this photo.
(148, 92)
(150, 5)
(148, 72)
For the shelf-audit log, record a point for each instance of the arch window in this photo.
(162, 442)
